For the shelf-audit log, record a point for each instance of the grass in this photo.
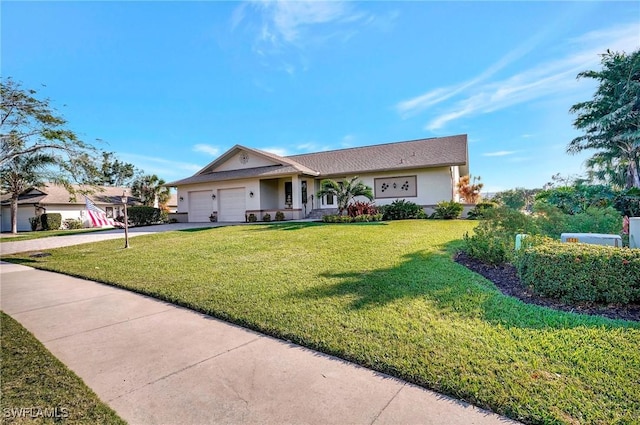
(390, 297)
(25, 236)
(38, 388)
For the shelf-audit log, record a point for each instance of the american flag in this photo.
(97, 216)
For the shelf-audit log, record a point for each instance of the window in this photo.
(109, 211)
(288, 194)
(304, 191)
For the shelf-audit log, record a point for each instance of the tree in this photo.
(29, 126)
(611, 120)
(469, 191)
(517, 199)
(344, 191)
(36, 145)
(112, 172)
(150, 190)
(21, 173)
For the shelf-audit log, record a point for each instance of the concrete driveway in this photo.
(7, 247)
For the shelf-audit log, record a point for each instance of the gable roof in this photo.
(53, 194)
(276, 159)
(412, 154)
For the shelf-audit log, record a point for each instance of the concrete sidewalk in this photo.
(155, 363)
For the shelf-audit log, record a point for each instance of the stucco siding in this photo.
(433, 185)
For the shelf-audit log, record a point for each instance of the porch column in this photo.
(295, 193)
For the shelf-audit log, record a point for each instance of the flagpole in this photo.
(126, 220)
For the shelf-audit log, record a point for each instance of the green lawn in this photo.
(37, 388)
(390, 297)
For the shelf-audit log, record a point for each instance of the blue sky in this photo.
(168, 86)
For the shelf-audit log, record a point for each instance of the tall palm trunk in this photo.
(14, 213)
(633, 178)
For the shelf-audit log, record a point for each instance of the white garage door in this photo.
(232, 205)
(200, 206)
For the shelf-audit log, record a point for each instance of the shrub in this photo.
(401, 209)
(552, 221)
(73, 224)
(470, 189)
(279, 216)
(252, 218)
(486, 247)
(448, 210)
(363, 218)
(361, 208)
(33, 222)
(480, 210)
(577, 198)
(266, 217)
(516, 199)
(493, 240)
(628, 202)
(52, 221)
(143, 216)
(581, 272)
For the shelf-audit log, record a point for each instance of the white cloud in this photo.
(208, 149)
(286, 20)
(280, 26)
(499, 153)
(480, 94)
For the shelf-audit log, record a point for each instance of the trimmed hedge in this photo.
(144, 216)
(51, 221)
(576, 272)
(363, 218)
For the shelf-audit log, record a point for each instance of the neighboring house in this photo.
(245, 181)
(56, 199)
(172, 203)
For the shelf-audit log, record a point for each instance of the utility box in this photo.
(519, 238)
(593, 238)
(634, 232)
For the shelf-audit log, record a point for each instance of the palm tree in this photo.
(21, 173)
(344, 191)
(151, 191)
(611, 121)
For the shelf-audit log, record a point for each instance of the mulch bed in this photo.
(506, 279)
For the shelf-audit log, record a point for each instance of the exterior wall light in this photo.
(181, 199)
(213, 196)
(251, 194)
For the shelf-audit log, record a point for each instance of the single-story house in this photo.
(245, 181)
(54, 198)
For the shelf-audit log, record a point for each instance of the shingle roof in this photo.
(268, 171)
(422, 153)
(56, 194)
